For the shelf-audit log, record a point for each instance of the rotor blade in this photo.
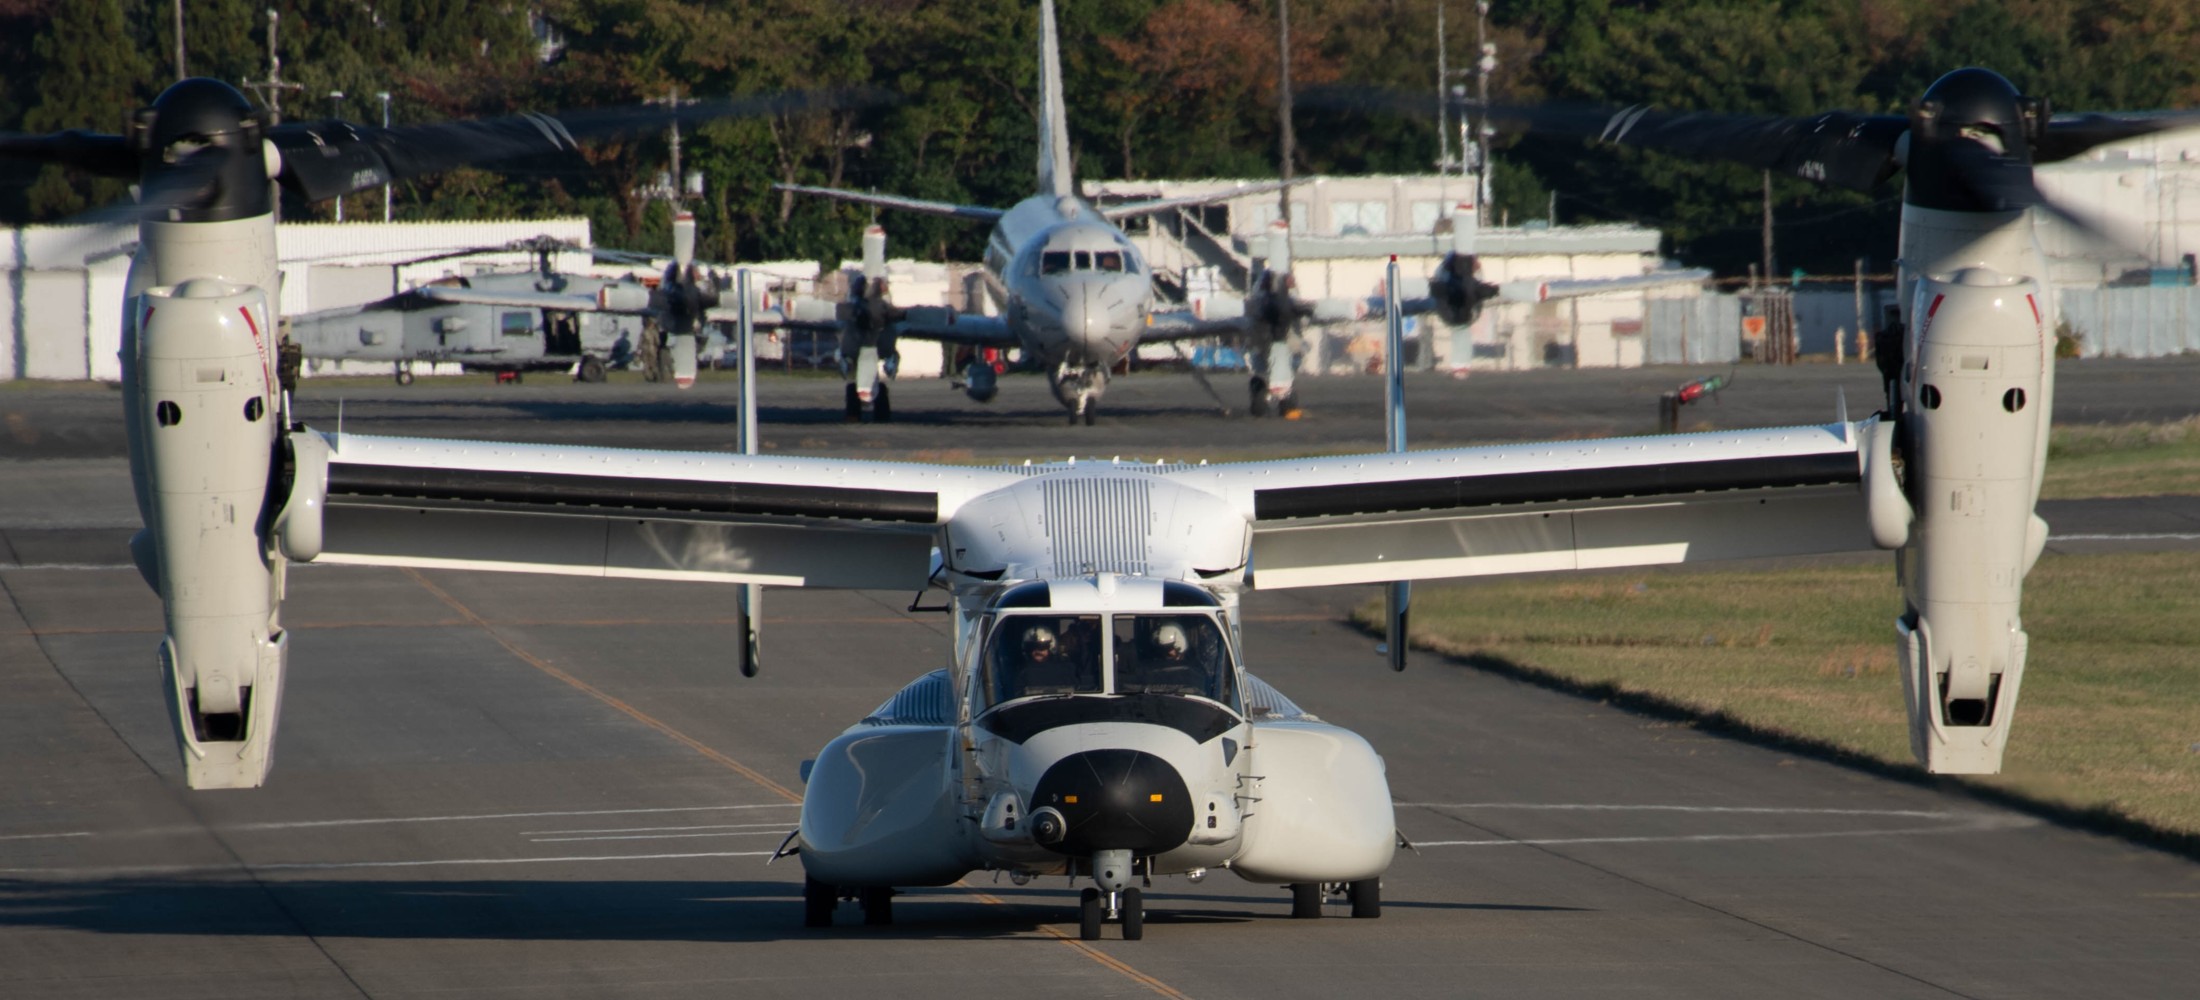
(1838, 148)
(327, 159)
(2069, 135)
(2002, 183)
(91, 152)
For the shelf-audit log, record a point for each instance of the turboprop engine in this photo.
(867, 319)
(1975, 400)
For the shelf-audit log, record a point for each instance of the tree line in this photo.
(1155, 88)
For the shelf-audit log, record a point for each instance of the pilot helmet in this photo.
(1039, 638)
(1168, 640)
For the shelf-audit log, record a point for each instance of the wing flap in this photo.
(781, 521)
(1547, 507)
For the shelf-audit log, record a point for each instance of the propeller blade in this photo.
(683, 241)
(874, 252)
(1839, 148)
(327, 159)
(2069, 135)
(91, 152)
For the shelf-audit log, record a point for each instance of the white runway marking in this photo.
(1954, 822)
(378, 820)
(1782, 810)
(2125, 538)
(775, 832)
(46, 836)
(655, 829)
(300, 866)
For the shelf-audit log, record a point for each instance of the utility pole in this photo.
(384, 97)
(1483, 67)
(1283, 105)
(271, 89)
(179, 40)
(674, 180)
(1443, 103)
(1768, 227)
(336, 103)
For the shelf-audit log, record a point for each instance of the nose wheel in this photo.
(1096, 908)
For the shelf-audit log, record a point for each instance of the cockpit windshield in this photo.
(1172, 654)
(1036, 655)
(1054, 262)
(1108, 260)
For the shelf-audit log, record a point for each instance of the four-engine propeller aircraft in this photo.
(1095, 717)
(541, 320)
(1077, 297)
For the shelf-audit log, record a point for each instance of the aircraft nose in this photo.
(1078, 314)
(1116, 800)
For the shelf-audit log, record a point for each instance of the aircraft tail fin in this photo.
(1054, 173)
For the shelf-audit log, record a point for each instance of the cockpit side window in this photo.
(1173, 654)
(1053, 261)
(1108, 260)
(1037, 655)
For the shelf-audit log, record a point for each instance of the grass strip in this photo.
(2107, 733)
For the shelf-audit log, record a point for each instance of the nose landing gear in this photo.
(1127, 907)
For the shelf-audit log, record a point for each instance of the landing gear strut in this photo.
(1127, 907)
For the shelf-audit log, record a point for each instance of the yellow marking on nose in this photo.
(1071, 799)
(1156, 797)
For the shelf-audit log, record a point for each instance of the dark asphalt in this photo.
(497, 785)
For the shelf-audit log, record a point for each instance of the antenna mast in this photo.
(270, 89)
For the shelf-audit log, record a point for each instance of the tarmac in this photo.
(499, 785)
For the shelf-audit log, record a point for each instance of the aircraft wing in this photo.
(1416, 300)
(1574, 505)
(609, 512)
(1177, 324)
(972, 213)
(951, 327)
(1133, 209)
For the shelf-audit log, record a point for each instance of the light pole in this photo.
(384, 97)
(336, 101)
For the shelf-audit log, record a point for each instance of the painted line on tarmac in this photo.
(777, 831)
(600, 695)
(47, 836)
(1605, 807)
(1954, 822)
(654, 829)
(2169, 537)
(1103, 958)
(126, 871)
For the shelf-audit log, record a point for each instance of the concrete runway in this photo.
(500, 785)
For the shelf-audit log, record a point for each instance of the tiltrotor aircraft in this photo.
(541, 320)
(1077, 297)
(1094, 716)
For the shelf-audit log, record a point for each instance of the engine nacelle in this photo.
(980, 381)
(1975, 422)
(209, 428)
(1458, 293)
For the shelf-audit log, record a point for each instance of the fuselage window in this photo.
(516, 324)
(1173, 654)
(1108, 260)
(1035, 655)
(1054, 262)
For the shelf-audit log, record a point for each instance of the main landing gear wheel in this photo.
(591, 370)
(818, 902)
(1089, 914)
(1367, 897)
(404, 373)
(1133, 915)
(878, 905)
(882, 412)
(1258, 405)
(854, 410)
(1306, 900)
